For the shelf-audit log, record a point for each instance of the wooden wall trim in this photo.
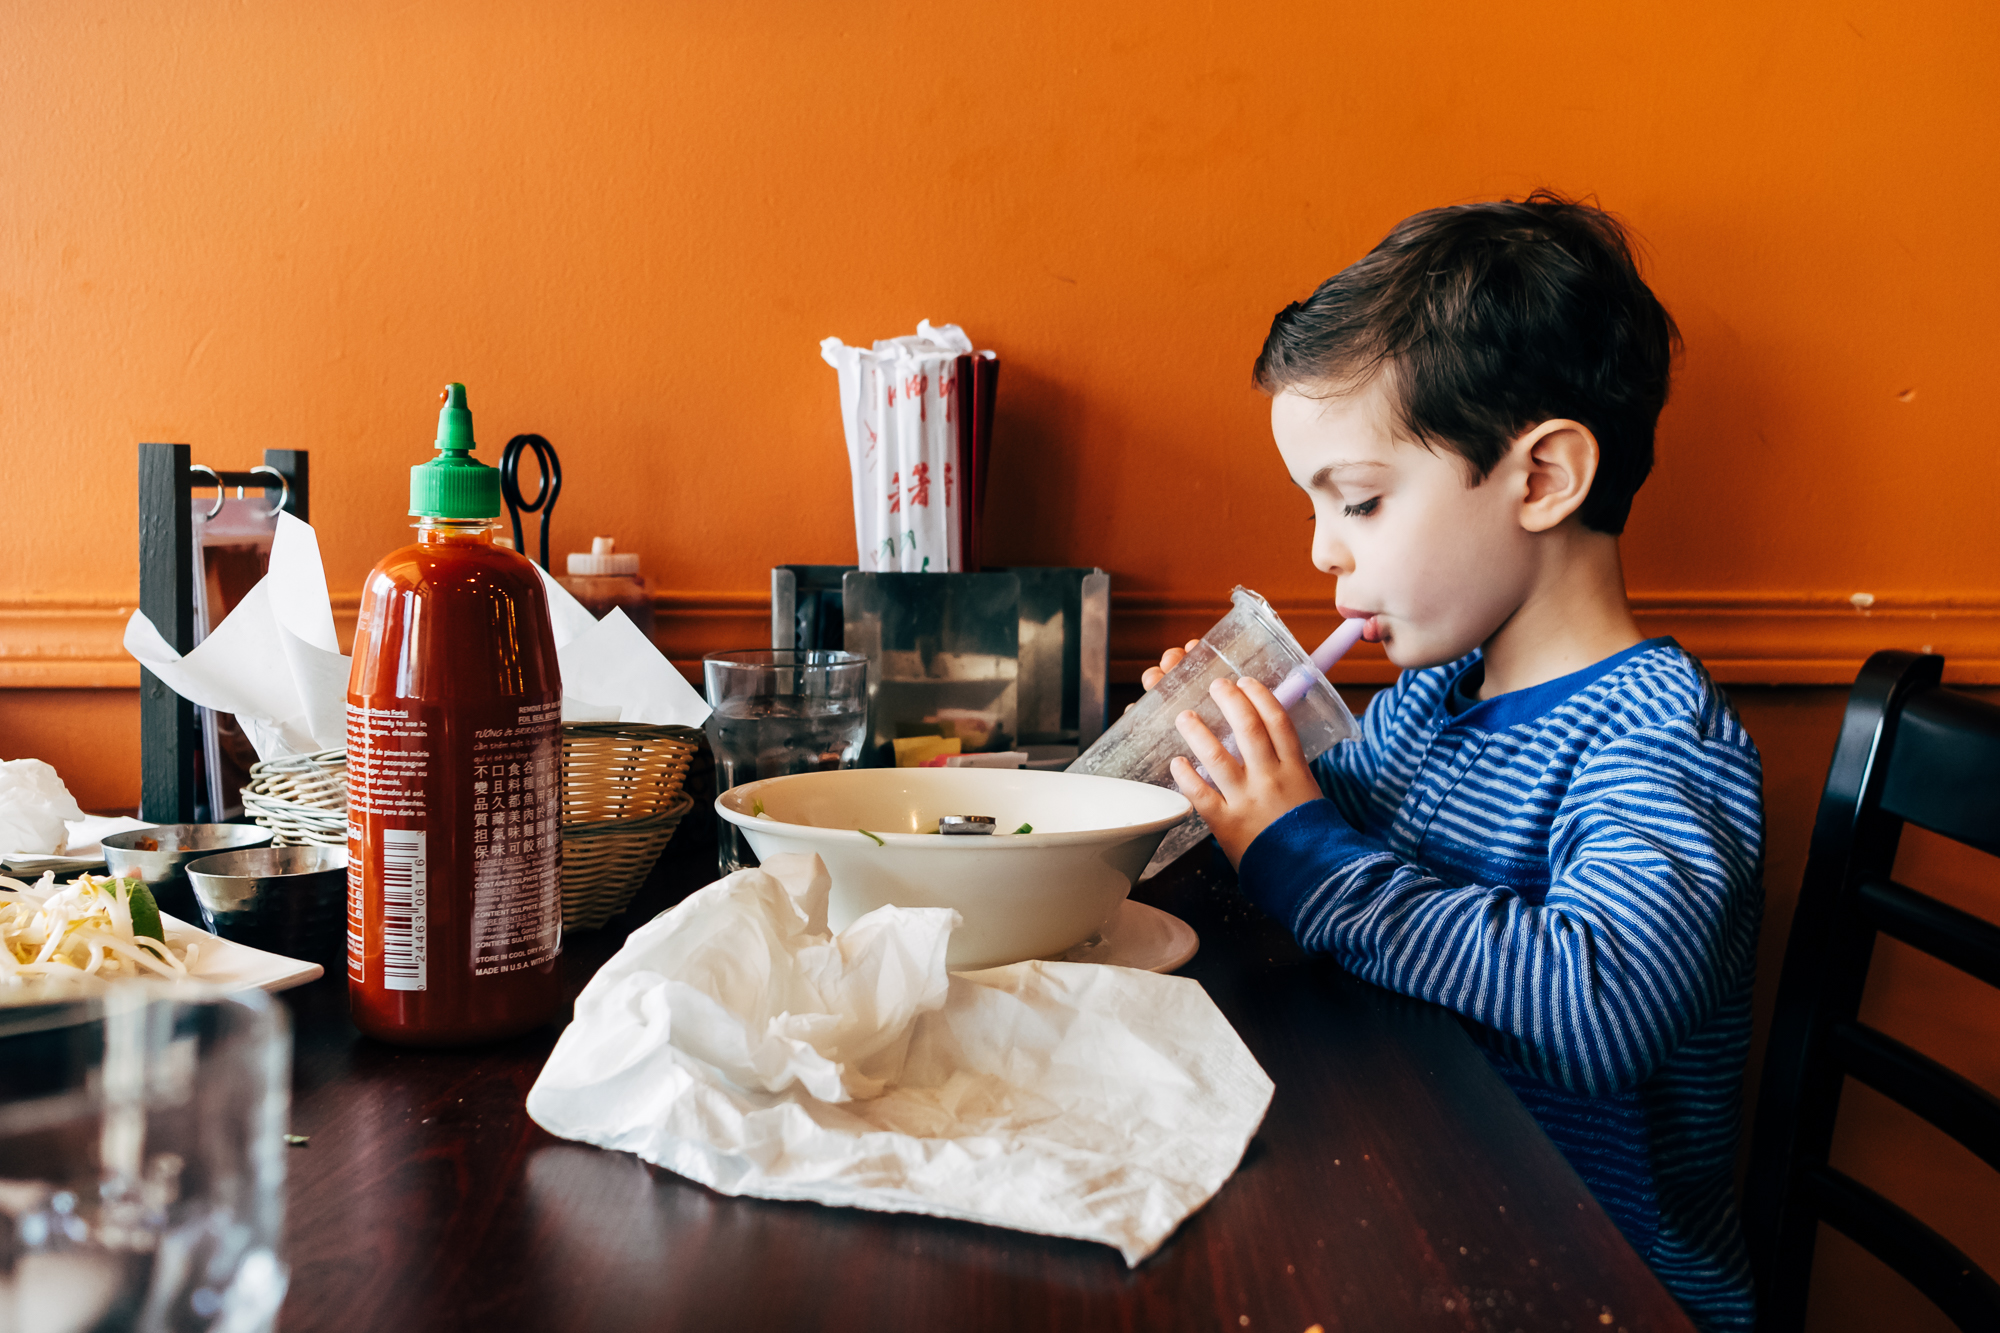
(66, 645)
(1744, 638)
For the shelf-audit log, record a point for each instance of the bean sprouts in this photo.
(80, 930)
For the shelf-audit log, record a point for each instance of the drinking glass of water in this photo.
(142, 1160)
(779, 711)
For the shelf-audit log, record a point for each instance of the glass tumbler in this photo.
(779, 711)
(142, 1169)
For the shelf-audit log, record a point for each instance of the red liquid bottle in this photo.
(454, 773)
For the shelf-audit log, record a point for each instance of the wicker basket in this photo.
(622, 801)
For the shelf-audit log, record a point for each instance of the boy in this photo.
(1550, 823)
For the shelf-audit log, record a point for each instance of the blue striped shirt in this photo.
(1577, 869)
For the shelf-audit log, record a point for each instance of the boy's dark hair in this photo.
(1492, 318)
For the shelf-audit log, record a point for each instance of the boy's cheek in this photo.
(1413, 648)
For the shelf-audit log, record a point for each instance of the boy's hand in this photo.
(1270, 780)
(1168, 661)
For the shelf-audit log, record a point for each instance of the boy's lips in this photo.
(1371, 630)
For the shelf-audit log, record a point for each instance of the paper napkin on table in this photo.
(735, 1042)
(276, 664)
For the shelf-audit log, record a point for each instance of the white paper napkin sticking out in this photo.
(276, 664)
(735, 1042)
(274, 660)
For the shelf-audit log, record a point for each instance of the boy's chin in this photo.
(1416, 652)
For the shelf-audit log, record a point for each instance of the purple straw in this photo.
(1293, 687)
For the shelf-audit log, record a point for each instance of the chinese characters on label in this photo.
(517, 842)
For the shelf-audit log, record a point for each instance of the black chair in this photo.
(1911, 752)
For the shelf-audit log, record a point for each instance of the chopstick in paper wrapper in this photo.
(978, 453)
(908, 414)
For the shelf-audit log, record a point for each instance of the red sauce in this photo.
(454, 789)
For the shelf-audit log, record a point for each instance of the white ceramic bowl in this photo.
(1027, 895)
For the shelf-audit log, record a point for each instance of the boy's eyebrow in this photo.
(1327, 473)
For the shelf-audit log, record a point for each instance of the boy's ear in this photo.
(1558, 460)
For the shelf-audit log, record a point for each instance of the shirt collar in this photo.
(1517, 706)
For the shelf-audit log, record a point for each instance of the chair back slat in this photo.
(1967, 942)
(1910, 751)
(1929, 1262)
(1955, 1104)
(1945, 772)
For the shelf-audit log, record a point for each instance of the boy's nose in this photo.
(1329, 554)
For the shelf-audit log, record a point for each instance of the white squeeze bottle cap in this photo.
(601, 560)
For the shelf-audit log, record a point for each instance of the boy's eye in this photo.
(1361, 509)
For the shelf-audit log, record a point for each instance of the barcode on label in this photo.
(403, 910)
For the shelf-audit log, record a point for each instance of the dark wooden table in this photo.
(1396, 1184)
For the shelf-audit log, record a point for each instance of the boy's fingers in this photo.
(1201, 796)
(1168, 661)
(1278, 726)
(1222, 767)
(1246, 727)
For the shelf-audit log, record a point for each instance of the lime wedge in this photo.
(145, 912)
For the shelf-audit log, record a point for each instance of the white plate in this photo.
(1141, 937)
(233, 966)
(32, 866)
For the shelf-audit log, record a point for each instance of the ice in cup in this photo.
(779, 711)
(1250, 641)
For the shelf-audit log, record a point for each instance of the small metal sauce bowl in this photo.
(285, 900)
(159, 856)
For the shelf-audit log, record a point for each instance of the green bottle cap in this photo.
(454, 484)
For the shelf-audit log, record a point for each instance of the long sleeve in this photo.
(1654, 852)
(1352, 772)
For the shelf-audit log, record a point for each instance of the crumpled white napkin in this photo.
(735, 1042)
(35, 807)
(276, 664)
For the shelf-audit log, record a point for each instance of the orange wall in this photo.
(628, 225)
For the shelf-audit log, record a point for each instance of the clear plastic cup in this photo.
(1250, 641)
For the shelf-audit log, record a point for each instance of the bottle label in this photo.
(388, 779)
(517, 841)
(470, 808)
(405, 910)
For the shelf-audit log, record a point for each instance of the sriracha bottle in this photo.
(454, 773)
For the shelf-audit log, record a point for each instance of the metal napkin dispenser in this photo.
(1006, 659)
